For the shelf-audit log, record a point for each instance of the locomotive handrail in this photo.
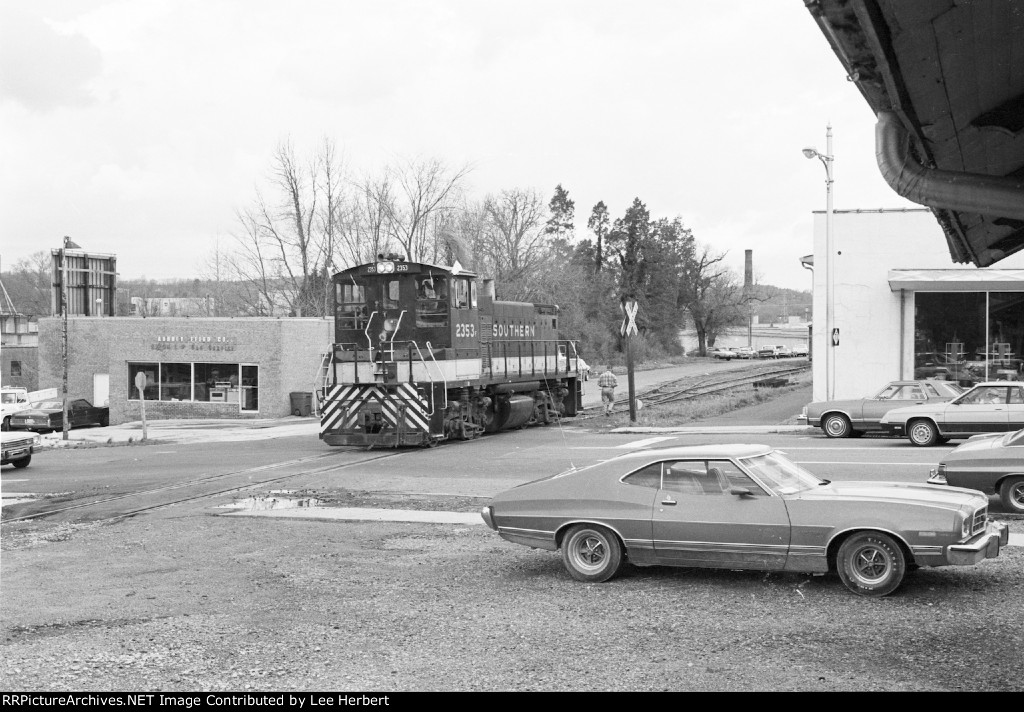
(366, 333)
(440, 371)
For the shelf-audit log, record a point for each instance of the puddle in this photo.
(272, 501)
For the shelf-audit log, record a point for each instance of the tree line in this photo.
(313, 217)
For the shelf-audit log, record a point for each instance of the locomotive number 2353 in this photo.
(465, 331)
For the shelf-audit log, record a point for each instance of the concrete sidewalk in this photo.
(190, 431)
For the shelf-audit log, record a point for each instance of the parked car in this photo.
(852, 418)
(17, 448)
(990, 407)
(773, 352)
(743, 507)
(992, 463)
(722, 353)
(48, 416)
(743, 351)
(800, 350)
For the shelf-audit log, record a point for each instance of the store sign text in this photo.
(193, 343)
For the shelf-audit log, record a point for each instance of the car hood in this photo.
(907, 492)
(834, 405)
(987, 441)
(35, 413)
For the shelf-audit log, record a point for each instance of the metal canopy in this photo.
(946, 79)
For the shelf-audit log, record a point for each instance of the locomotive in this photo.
(424, 353)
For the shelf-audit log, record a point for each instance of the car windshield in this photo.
(781, 474)
(10, 397)
(1016, 438)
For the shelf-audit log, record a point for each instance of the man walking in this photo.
(607, 382)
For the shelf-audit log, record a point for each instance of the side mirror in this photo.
(740, 491)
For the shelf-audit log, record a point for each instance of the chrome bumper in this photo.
(934, 478)
(986, 545)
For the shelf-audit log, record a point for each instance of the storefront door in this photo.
(250, 389)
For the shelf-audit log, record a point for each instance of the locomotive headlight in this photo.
(390, 324)
(385, 267)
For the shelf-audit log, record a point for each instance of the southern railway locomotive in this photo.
(424, 353)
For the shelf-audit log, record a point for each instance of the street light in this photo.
(826, 159)
(69, 244)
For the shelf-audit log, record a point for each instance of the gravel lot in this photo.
(185, 600)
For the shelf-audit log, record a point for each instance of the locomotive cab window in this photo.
(351, 306)
(391, 294)
(464, 298)
(431, 302)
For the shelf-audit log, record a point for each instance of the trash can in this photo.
(302, 403)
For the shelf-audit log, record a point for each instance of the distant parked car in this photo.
(993, 464)
(17, 448)
(990, 407)
(743, 507)
(722, 353)
(800, 350)
(852, 418)
(743, 351)
(773, 352)
(48, 416)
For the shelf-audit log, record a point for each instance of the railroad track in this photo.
(209, 486)
(689, 388)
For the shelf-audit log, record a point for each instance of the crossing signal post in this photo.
(628, 330)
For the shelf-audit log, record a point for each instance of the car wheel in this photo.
(923, 433)
(591, 553)
(1011, 493)
(836, 425)
(871, 564)
(22, 462)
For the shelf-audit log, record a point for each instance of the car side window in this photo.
(889, 393)
(649, 476)
(932, 391)
(735, 477)
(1017, 395)
(692, 477)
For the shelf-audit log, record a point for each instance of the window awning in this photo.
(957, 280)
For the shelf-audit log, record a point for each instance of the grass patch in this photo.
(697, 409)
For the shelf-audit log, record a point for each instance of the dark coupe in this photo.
(48, 416)
(744, 507)
(993, 464)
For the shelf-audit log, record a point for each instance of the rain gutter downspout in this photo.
(949, 190)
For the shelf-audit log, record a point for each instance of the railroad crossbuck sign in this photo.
(628, 327)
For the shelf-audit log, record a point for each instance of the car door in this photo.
(698, 521)
(983, 409)
(1015, 408)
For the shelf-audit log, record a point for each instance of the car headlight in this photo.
(965, 527)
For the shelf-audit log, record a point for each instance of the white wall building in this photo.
(903, 309)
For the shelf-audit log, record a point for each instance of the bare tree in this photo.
(422, 189)
(288, 241)
(712, 295)
(514, 238)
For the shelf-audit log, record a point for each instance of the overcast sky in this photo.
(139, 127)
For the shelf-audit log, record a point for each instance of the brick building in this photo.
(195, 368)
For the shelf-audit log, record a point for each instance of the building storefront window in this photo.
(969, 336)
(198, 382)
